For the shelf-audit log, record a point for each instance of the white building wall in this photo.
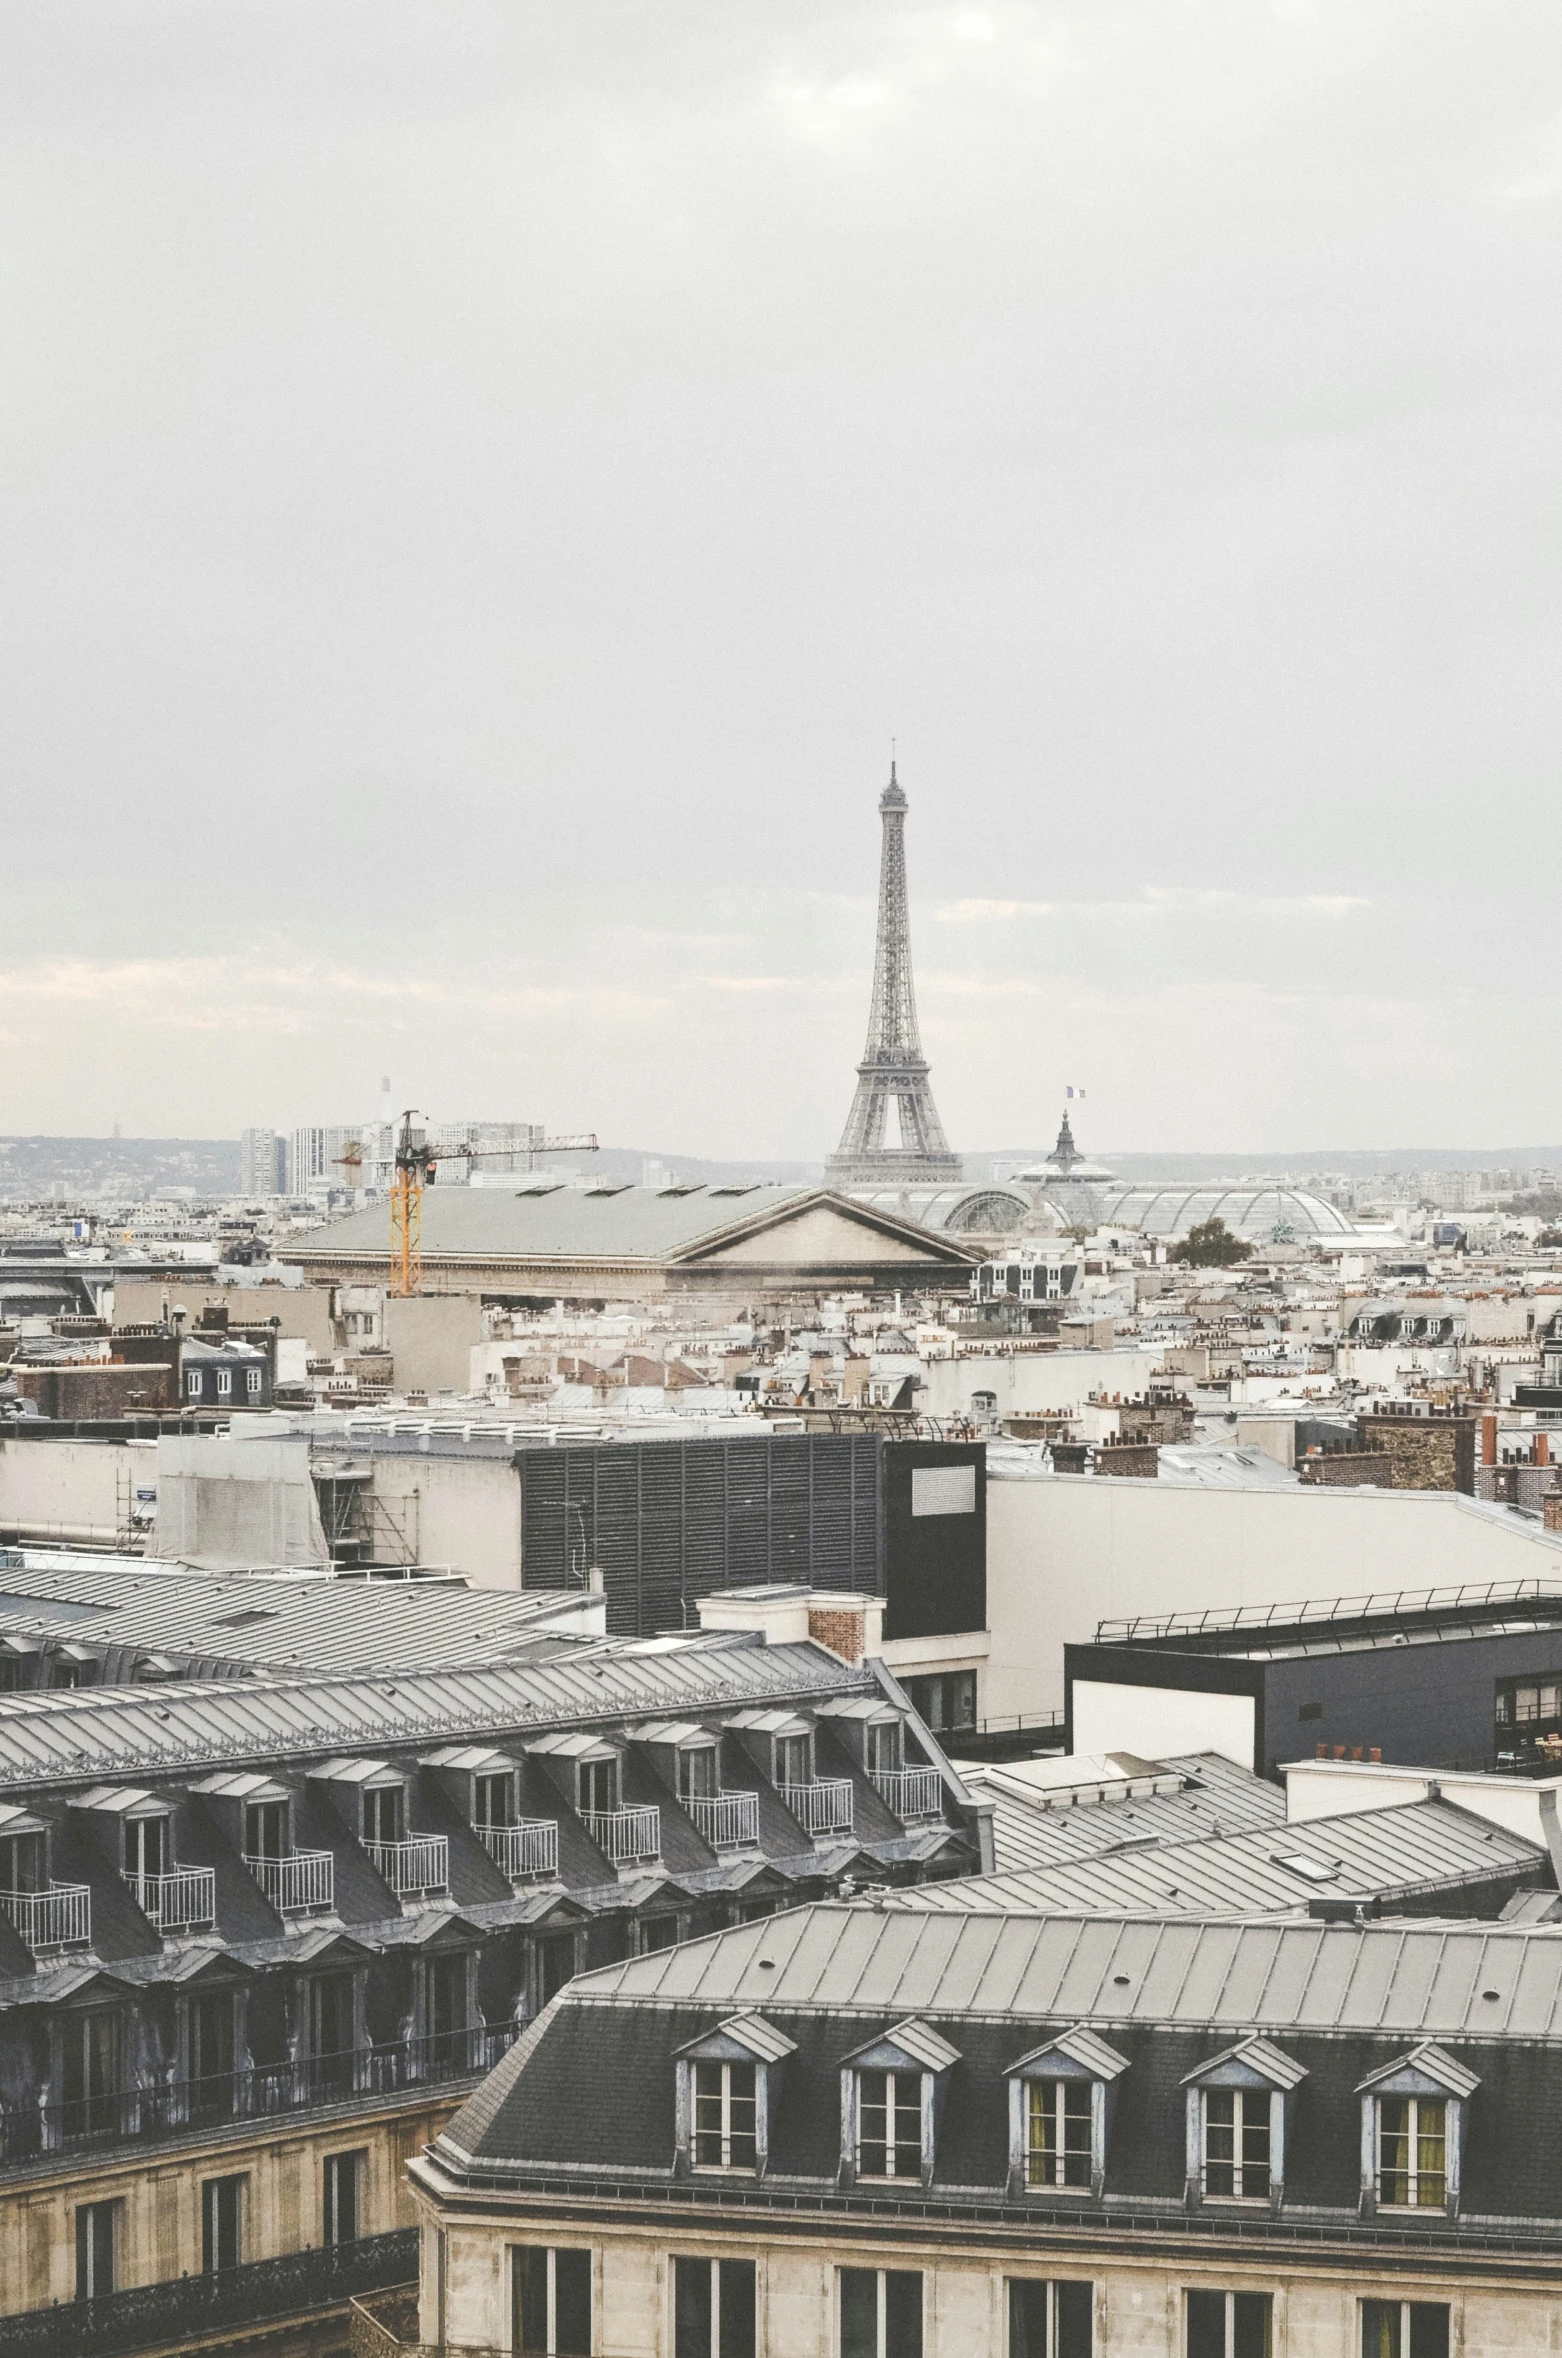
(71, 1490)
(1066, 1551)
(1028, 1382)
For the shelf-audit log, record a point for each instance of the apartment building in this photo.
(260, 1934)
(847, 2133)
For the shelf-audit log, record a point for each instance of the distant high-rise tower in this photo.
(893, 1071)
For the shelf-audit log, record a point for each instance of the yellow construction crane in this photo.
(415, 1164)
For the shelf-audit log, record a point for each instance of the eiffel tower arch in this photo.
(893, 1071)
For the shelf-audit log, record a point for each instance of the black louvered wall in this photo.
(670, 1520)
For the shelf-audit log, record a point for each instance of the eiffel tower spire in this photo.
(893, 1067)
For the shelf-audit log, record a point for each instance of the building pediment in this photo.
(822, 1230)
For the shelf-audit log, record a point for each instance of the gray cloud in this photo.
(480, 486)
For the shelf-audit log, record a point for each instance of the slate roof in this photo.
(1400, 1853)
(590, 2089)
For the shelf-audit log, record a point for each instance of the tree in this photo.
(1211, 1245)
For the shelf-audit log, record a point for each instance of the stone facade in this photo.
(1427, 1452)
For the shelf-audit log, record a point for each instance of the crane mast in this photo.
(416, 1161)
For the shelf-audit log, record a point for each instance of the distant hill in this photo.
(40, 1169)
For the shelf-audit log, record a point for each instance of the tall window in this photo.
(1404, 2329)
(384, 1813)
(555, 1965)
(1413, 2152)
(713, 2309)
(1051, 2320)
(889, 2124)
(146, 1846)
(599, 1787)
(724, 2117)
(265, 1830)
(550, 2292)
(1229, 2325)
(794, 1760)
(222, 2201)
(1057, 2144)
(697, 1773)
(331, 2014)
(91, 2074)
(252, 1382)
(493, 1800)
(224, 1383)
(447, 2007)
(342, 2193)
(884, 1748)
(23, 1862)
(211, 2055)
(881, 2313)
(1236, 2143)
(96, 2223)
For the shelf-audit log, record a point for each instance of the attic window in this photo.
(242, 1620)
(725, 2136)
(610, 1187)
(1312, 1870)
(750, 1188)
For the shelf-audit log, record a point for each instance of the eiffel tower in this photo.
(893, 1068)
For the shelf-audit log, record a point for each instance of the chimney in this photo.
(1550, 1828)
(1488, 1440)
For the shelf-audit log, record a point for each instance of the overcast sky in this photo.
(481, 484)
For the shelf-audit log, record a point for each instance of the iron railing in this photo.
(419, 1865)
(823, 1807)
(177, 1902)
(726, 1820)
(298, 1885)
(189, 2308)
(59, 1917)
(625, 1833)
(531, 1848)
(911, 1792)
(172, 2108)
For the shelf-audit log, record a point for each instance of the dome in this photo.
(956, 1211)
(1259, 1215)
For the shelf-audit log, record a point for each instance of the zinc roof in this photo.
(1414, 1847)
(573, 1223)
(1218, 1799)
(1416, 1979)
(220, 1622)
(82, 1735)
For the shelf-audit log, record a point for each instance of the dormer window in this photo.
(885, 1747)
(889, 2124)
(1058, 2143)
(24, 1862)
(794, 1760)
(600, 1786)
(697, 1778)
(1414, 2114)
(724, 2116)
(1239, 2110)
(493, 1800)
(266, 1830)
(385, 1813)
(729, 2083)
(147, 1848)
(1413, 2152)
(891, 2098)
(1060, 2112)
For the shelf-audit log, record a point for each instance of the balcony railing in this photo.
(59, 1917)
(190, 2310)
(178, 1902)
(421, 1865)
(726, 1820)
(301, 2084)
(824, 1807)
(531, 1848)
(302, 1884)
(625, 1833)
(911, 1792)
